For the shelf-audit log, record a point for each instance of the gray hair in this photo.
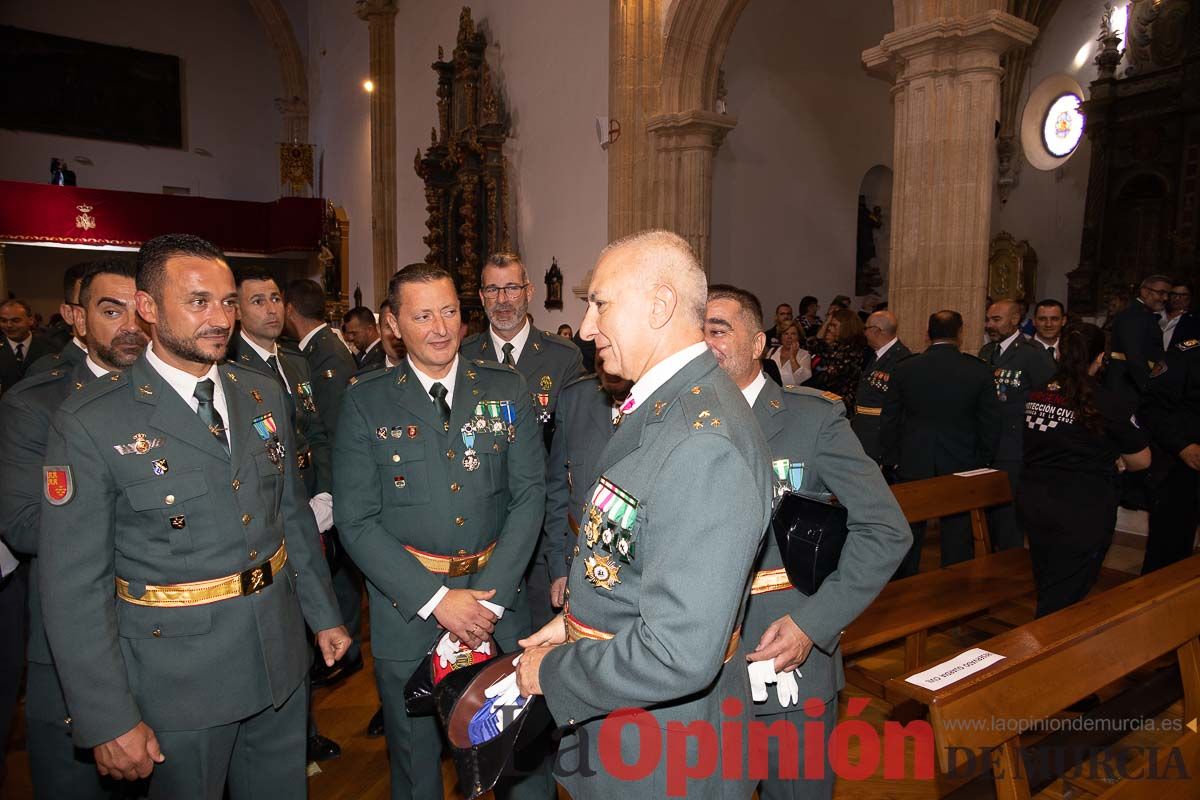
(665, 257)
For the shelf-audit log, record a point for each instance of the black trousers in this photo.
(1173, 517)
(13, 628)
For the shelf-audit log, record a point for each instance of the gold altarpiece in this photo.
(1012, 269)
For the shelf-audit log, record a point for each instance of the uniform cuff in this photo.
(428, 608)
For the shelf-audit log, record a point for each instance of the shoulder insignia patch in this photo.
(1188, 345)
(328, 373)
(59, 484)
(831, 397)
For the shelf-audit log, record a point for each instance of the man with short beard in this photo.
(110, 328)
(178, 622)
(1136, 345)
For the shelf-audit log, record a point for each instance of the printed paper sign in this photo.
(955, 669)
(972, 473)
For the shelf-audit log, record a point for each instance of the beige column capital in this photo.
(947, 45)
(373, 10)
(690, 130)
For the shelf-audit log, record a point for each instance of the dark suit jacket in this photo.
(332, 366)
(1135, 347)
(873, 388)
(940, 415)
(10, 370)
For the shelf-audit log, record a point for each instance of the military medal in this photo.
(160, 466)
(179, 522)
(305, 393)
(397, 432)
(780, 467)
(602, 572)
(411, 431)
(381, 432)
(257, 395)
(470, 460)
(140, 445)
(619, 509)
(591, 528)
(543, 400)
(265, 427)
(399, 481)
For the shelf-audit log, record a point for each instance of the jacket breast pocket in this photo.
(177, 499)
(270, 480)
(403, 474)
(150, 622)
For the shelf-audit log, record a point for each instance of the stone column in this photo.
(684, 145)
(380, 16)
(946, 97)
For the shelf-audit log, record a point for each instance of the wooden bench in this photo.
(908, 608)
(1057, 660)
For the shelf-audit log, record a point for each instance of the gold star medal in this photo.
(591, 528)
(602, 572)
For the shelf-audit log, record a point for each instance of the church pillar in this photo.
(684, 146)
(946, 101)
(380, 16)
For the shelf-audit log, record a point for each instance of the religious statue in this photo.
(554, 284)
(866, 274)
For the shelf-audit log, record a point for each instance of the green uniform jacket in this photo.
(25, 415)
(1016, 372)
(208, 515)
(331, 366)
(67, 358)
(584, 427)
(400, 480)
(312, 436)
(873, 389)
(806, 427)
(695, 462)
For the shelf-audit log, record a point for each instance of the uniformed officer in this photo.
(813, 452)
(1136, 344)
(546, 361)
(1170, 413)
(940, 416)
(362, 331)
(669, 533)
(177, 623)
(587, 409)
(439, 473)
(255, 345)
(113, 335)
(74, 349)
(329, 360)
(1018, 366)
(887, 352)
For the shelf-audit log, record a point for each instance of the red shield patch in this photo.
(59, 485)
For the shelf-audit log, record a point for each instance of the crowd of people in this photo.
(206, 470)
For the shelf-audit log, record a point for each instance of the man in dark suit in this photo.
(20, 347)
(886, 352)
(1018, 366)
(329, 360)
(1136, 344)
(940, 416)
(1177, 321)
(362, 331)
(114, 338)
(178, 623)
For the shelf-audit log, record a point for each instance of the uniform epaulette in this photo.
(38, 379)
(702, 409)
(355, 381)
(292, 348)
(587, 377)
(807, 391)
(559, 341)
(470, 340)
(1188, 344)
(496, 365)
(96, 389)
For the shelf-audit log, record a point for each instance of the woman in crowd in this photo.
(807, 318)
(838, 352)
(1077, 441)
(795, 363)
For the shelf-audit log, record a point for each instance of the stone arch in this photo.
(696, 35)
(294, 104)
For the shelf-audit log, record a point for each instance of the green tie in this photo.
(208, 413)
(438, 391)
(508, 359)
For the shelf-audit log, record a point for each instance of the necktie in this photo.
(438, 392)
(1053, 353)
(273, 363)
(21, 352)
(508, 359)
(208, 412)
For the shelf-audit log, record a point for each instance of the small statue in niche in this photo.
(867, 277)
(554, 284)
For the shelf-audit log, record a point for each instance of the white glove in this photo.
(787, 689)
(762, 673)
(446, 651)
(322, 508)
(504, 690)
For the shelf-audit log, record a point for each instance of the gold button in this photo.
(236, 484)
(450, 454)
(66, 721)
(394, 604)
(461, 552)
(454, 487)
(459, 520)
(169, 499)
(246, 519)
(157, 632)
(396, 457)
(253, 554)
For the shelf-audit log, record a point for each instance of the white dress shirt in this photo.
(1048, 345)
(879, 353)
(184, 384)
(752, 391)
(789, 376)
(265, 354)
(518, 342)
(427, 383)
(12, 345)
(1168, 323)
(96, 369)
(1004, 344)
(75, 341)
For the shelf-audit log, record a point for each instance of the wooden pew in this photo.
(1055, 661)
(907, 609)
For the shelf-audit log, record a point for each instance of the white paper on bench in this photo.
(973, 472)
(955, 669)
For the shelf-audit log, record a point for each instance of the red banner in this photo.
(37, 212)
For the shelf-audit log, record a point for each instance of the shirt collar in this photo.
(96, 369)
(752, 391)
(304, 342)
(75, 341)
(1044, 343)
(184, 383)
(372, 344)
(879, 353)
(263, 353)
(518, 342)
(448, 381)
(387, 360)
(659, 374)
(1005, 344)
(28, 340)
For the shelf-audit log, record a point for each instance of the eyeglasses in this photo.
(1180, 294)
(510, 291)
(1161, 292)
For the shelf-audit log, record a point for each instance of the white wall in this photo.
(1046, 207)
(551, 60)
(230, 76)
(810, 125)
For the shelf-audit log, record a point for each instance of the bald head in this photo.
(1002, 320)
(663, 258)
(881, 328)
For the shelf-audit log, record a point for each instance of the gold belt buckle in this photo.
(257, 578)
(462, 565)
